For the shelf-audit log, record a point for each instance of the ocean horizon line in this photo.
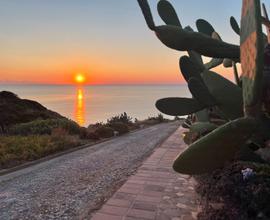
(120, 84)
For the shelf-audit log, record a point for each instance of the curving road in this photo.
(70, 186)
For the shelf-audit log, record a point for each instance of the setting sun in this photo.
(79, 78)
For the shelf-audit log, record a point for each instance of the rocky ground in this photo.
(72, 185)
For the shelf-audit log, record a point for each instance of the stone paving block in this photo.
(141, 214)
(137, 181)
(130, 190)
(101, 216)
(148, 198)
(124, 196)
(119, 202)
(152, 187)
(114, 210)
(144, 206)
(132, 218)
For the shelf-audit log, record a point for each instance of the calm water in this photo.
(90, 104)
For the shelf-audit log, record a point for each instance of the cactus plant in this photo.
(217, 87)
(211, 90)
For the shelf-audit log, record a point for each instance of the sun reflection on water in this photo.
(80, 107)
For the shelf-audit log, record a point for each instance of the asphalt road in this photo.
(70, 186)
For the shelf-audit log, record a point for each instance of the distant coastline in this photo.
(120, 84)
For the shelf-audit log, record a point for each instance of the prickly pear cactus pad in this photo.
(213, 150)
(235, 25)
(179, 106)
(251, 53)
(167, 13)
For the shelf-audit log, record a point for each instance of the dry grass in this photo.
(15, 150)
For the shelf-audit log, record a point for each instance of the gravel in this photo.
(73, 185)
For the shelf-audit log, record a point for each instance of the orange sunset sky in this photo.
(48, 42)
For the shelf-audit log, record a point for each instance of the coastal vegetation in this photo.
(29, 131)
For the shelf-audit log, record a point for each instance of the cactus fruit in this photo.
(189, 137)
(227, 63)
(213, 150)
(179, 106)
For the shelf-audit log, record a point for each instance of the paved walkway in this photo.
(155, 191)
(73, 185)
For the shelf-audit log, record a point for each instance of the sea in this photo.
(91, 104)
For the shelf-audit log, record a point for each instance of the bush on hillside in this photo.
(104, 132)
(120, 127)
(159, 118)
(88, 133)
(41, 127)
(122, 118)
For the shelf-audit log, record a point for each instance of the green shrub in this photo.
(83, 133)
(149, 121)
(123, 118)
(92, 136)
(93, 127)
(159, 118)
(105, 132)
(89, 133)
(41, 127)
(120, 127)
